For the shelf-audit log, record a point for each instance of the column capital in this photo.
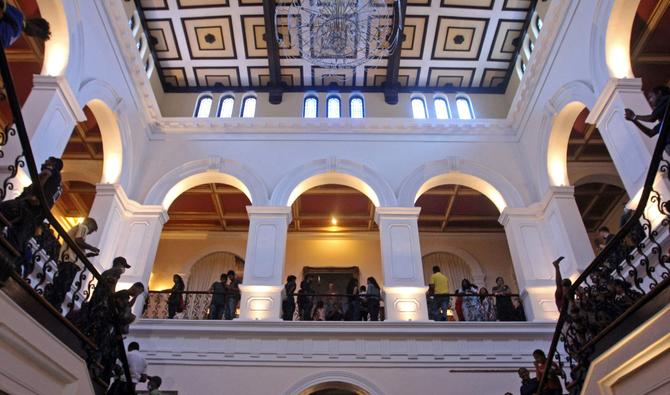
(613, 86)
(404, 213)
(270, 211)
(60, 85)
(129, 206)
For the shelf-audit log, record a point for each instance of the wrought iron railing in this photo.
(631, 270)
(197, 305)
(34, 263)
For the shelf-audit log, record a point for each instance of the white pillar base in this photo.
(260, 302)
(406, 304)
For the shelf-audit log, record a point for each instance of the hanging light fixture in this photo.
(337, 34)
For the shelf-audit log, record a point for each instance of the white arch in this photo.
(333, 171)
(203, 171)
(333, 376)
(478, 275)
(560, 113)
(108, 108)
(461, 172)
(610, 40)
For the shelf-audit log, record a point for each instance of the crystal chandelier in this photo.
(336, 34)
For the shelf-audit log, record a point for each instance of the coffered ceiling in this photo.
(466, 45)
(649, 44)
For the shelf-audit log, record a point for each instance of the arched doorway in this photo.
(334, 388)
(459, 218)
(332, 241)
(204, 237)
(599, 191)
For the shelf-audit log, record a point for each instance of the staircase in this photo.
(28, 271)
(624, 287)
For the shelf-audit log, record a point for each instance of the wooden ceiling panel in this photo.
(202, 39)
(649, 45)
(457, 208)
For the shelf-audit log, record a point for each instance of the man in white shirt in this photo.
(136, 363)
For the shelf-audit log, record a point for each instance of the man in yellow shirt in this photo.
(439, 289)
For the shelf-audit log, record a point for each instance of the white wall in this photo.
(33, 361)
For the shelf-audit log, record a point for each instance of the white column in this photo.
(264, 264)
(49, 113)
(129, 229)
(629, 148)
(404, 286)
(536, 236)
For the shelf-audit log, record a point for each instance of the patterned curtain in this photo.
(208, 270)
(451, 266)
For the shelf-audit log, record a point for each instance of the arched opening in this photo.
(83, 160)
(599, 191)
(456, 220)
(333, 241)
(649, 45)
(334, 388)
(204, 237)
(201, 276)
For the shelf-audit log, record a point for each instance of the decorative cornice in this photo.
(404, 213)
(291, 128)
(539, 65)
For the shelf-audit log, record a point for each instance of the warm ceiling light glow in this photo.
(333, 221)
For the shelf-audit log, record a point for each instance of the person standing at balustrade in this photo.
(504, 308)
(176, 298)
(438, 287)
(232, 296)
(373, 297)
(218, 303)
(288, 298)
(305, 299)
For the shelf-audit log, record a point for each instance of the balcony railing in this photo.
(626, 275)
(198, 305)
(30, 261)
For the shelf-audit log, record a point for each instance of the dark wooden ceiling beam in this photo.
(274, 85)
(391, 85)
(450, 206)
(81, 130)
(217, 206)
(650, 26)
(590, 131)
(593, 201)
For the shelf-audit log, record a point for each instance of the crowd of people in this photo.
(470, 302)
(107, 314)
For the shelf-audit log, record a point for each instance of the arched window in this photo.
(538, 23)
(310, 108)
(419, 108)
(464, 108)
(441, 108)
(522, 65)
(139, 44)
(131, 22)
(531, 46)
(333, 107)
(203, 106)
(356, 109)
(226, 104)
(248, 107)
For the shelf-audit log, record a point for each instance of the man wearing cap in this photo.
(108, 279)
